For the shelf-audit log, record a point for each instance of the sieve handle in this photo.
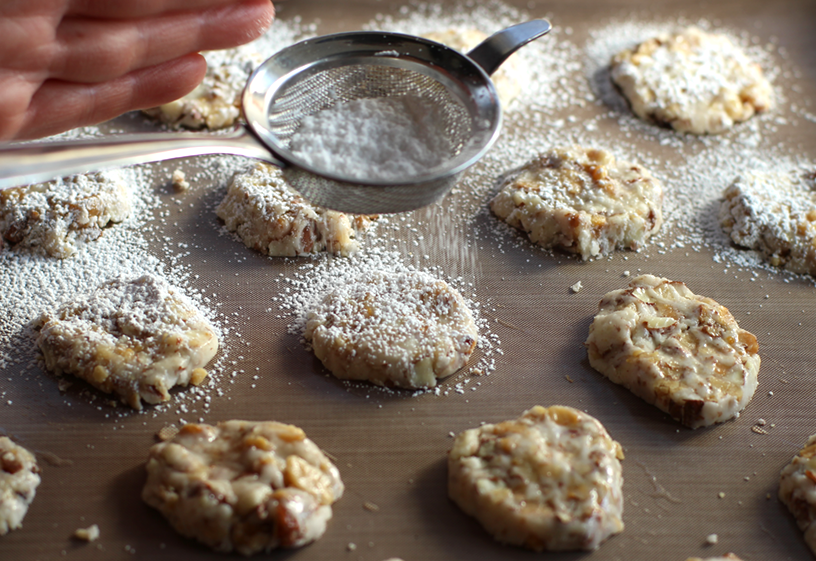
(22, 164)
(493, 51)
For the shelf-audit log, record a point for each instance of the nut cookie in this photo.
(797, 490)
(681, 352)
(549, 480)
(405, 329)
(19, 478)
(583, 201)
(53, 216)
(775, 214)
(692, 81)
(135, 338)
(243, 486)
(465, 40)
(215, 103)
(272, 218)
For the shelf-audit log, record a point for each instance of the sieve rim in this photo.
(376, 47)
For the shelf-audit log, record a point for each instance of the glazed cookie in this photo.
(681, 352)
(549, 480)
(775, 214)
(797, 490)
(272, 218)
(53, 216)
(583, 201)
(19, 478)
(215, 103)
(135, 338)
(465, 40)
(243, 486)
(393, 329)
(692, 81)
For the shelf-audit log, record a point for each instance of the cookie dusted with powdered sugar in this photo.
(405, 329)
(272, 218)
(243, 486)
(549, 480)
(466, 39)
(19, 478)
(582, 200)
(215, 103)
(681, 352)
(692, 81)
(775, 214)
(135, 338)
(54, 216)
(797, 490)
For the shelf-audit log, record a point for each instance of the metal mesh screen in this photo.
(324, 89)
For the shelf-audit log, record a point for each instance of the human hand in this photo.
(69, 63)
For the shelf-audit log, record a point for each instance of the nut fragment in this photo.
(167, 432)
(88, 534)
(197, 376)
(179, 180)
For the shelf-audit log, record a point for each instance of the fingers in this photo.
(59, 106)
(108, 9)
(16, 93)
(96, 50)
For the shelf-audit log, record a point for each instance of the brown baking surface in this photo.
(391, 447)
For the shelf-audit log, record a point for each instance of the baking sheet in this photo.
(680, 485)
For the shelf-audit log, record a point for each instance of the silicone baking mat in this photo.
(681, 485)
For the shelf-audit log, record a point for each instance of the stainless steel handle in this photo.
(497, 48)
(33, 163)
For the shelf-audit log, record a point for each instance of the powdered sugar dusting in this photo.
(33, 283)
(134, 337)
(129, 307)
(403, 329)
(566, 98)
(373, 139)
(541, 68)
(51, 216)
(303, 295)
(692, 81)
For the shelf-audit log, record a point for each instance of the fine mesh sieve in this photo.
(459, 118)
(307, 78)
